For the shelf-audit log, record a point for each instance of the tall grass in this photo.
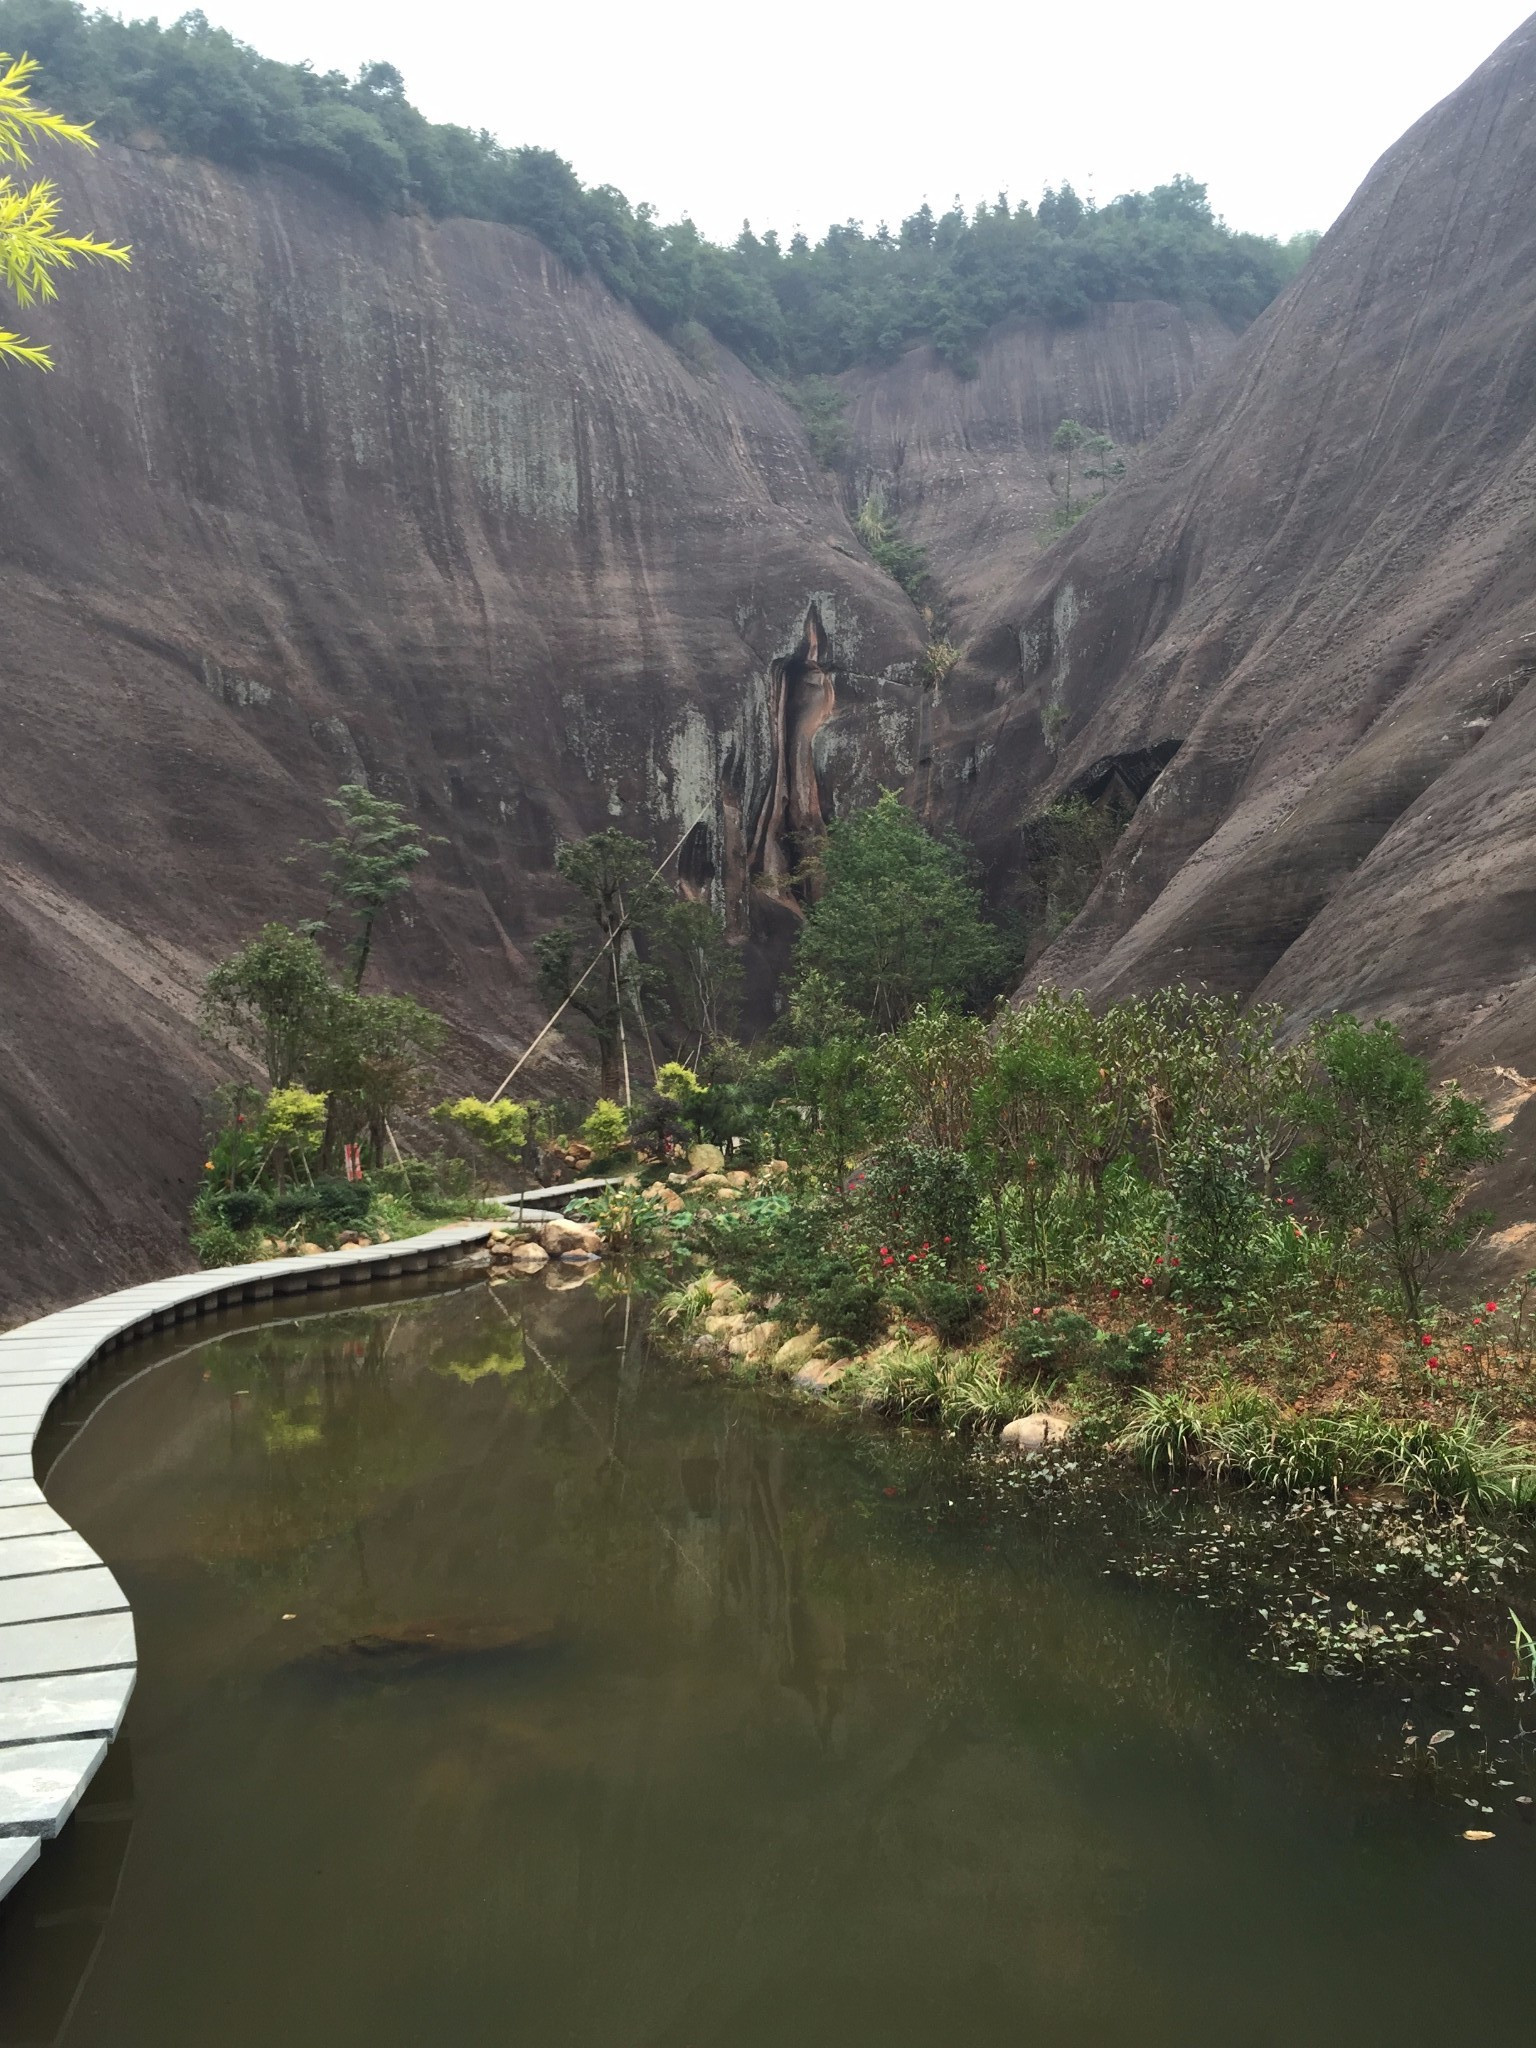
(960, 1390)
(1464, 1464)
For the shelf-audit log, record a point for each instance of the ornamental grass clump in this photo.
(959, 1390)
(1243, 1436)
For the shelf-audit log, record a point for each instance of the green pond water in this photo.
(623, 1710)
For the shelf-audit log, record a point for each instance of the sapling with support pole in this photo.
(611, 939)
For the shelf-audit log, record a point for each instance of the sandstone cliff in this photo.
(311, 495)
(1316, 595)
(315, 495)
(965, 464)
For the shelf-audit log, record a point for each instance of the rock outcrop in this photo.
(316, 496)
(965, 463)
(1300, 636)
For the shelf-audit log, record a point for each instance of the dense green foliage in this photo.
(854, 296)
(1138, 1155)
(899, 919)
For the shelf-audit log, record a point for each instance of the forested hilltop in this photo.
(852, 297)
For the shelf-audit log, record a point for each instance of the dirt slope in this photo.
(1319, 586)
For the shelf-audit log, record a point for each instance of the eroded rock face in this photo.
(316, 496)
(1315, 594)
(965, 463)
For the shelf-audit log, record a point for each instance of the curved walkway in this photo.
(68, 1658)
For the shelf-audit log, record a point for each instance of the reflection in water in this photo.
(501, 1685)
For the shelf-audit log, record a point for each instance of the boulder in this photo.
(1029, 1434)
(473, 1261)
(775, 1169)
(820, 1376)
(706, 1159)
(792, 1355)
(722, 1326)
(529, 1258)
(563, 1236)
(756, 1341)
(738, 1179)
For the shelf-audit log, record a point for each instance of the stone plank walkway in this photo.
(68, 1658)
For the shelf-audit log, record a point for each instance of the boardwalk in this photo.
(67, 1653)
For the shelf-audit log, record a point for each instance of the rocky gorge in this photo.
(317, 494)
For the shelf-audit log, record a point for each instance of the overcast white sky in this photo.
(808, 111)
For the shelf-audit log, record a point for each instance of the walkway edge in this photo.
(68, 1658)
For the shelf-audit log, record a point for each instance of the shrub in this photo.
(239, 1209)
(1132, 1354)
(921, 1195)
(326, 1204)
(501, 1127)
(606, 1130)
(680, 1085)
(801, 1253)
(1388, 1154)
(1061, 1339)
(1220, 1213)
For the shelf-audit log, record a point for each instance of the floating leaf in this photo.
(1477, 1834)
(1441, 1735)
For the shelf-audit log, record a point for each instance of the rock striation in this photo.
(965, 464)
(316, 496)
(1305, 627)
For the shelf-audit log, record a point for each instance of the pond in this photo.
(502, 1683)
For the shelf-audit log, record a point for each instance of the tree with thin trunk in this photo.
(1067, 439)
(612, 875)
(371, 863)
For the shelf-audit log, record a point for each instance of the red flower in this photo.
(946, 1240)
(891, 1492)
(1290, 1201)
(1433, 1364)
(911, 1258)
(1157, 1261)
(1034, 1311)
(1475, 1321)
(1146, 1279)
(1173, 1262)
(1492, 1307)
(1466, 1347)
(1426, 1340)
(981, 1265)
(1114, 1294)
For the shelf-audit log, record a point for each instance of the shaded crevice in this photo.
(1066, 848)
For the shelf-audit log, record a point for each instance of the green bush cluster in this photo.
(1146, 1153)
(804, 309)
